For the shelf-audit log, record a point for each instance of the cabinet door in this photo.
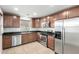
(51, 42)
(52, 22)
(37, 23)
(33, 36)
(62, 15)
(24, 38)
(74, 12)
(44, 22)
(33, 23)
(7, 41)
(30, 37)
(16, 21)
(7, 21)
(11, 21)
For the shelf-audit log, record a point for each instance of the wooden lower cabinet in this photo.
(26, 38)
(51, 42)
(29, 37)
(7, 41)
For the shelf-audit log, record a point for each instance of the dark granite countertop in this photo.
(28, 32)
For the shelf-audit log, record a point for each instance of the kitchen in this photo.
(54, 30)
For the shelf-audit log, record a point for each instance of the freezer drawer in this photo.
(71, 49)
(71, 45)
(58, 46)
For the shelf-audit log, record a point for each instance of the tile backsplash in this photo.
(11, 29)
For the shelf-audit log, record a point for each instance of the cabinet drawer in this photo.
(6, 46)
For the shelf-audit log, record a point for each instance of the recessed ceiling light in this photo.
(48, 17)
(34, 13)
(66, 13)
(14, 17)
(16, 9)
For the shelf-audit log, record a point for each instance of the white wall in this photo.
(0, 44)
(1, 30)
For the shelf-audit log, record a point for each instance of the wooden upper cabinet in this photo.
(41, 21)
(52, 20)
(44, 22)
(16, 21)
(11, 21)
(33, 23)
(69, 13)
(61, 15)
(7, 21)
(74, 12)
(36, 23)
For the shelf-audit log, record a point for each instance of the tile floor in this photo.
(30, 48)
(43, 43)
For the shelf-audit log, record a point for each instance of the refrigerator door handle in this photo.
(63, 39)
(63, 36)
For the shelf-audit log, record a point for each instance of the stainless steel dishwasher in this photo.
(16, 40)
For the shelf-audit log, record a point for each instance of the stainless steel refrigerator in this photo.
(67, 36)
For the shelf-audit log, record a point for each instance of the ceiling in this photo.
(33, 10)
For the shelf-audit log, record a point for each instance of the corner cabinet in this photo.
(36, 23)
(29, 37)
(11, 21)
